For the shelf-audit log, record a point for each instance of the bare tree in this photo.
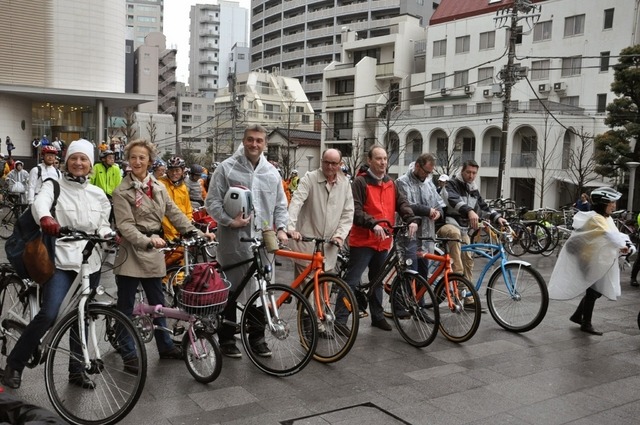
(152, 129)
(128, 129)
(582, 162)
(449, 160)
(356, 159)
(546, 156)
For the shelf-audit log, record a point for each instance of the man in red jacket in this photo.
(375, 198)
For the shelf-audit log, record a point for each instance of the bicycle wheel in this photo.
(387, 282)
(334, 342)
(461, 321)
(116, 390)
(14, 303)
(553, 243)
(202, 356)
(414, 313)
(518, 298)
(10, 333)
(540, 237)
(520, 240)
(7, 221)
(291, 342)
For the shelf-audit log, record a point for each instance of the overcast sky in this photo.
(176, 29)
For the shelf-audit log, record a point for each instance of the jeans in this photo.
(53, 292)
(462, 261)
(359, 259)
(127, 289)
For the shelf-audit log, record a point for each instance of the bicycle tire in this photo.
(416, 318)
(540, 237)
(202, 357)
(14, 304)
(292, 341)
(7, 222)
(555, 239)
(520, 240)
(526, 307)
(9, 335)
(333, 344)
(117, 390)
(387, 283)
(460, 323)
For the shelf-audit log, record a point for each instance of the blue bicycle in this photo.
(517, 294)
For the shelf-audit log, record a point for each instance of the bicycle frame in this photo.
(444, 269)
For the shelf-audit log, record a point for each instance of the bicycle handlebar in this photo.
(68, 233)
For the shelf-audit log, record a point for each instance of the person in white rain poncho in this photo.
(248, 168)
(589, 259)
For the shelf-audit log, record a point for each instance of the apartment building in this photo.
(196, 126)
(214, 31)
(451, 103)
(300, 38)
(155, 74)
(144, 17)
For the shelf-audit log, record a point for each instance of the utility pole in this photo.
(234, 107)
(512, 72)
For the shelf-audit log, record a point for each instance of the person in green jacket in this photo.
(107, 176)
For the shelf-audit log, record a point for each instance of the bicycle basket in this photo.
(205, 291)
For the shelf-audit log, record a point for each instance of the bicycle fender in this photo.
(498, 269)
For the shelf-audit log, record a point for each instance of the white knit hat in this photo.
(83, 146)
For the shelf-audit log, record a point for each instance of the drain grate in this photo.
(377, 414)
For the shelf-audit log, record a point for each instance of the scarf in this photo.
(470, 186)
(76, 179)
(142, 188)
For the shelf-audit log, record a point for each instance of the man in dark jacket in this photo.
(464, 210)
(375, 198)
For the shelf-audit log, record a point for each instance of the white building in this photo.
(155, 71)
(300, 37)
(196, 124)
(157, 128)
(449, 108)
(214, 30)
(144, 17)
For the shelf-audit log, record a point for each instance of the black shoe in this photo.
(381, 324)
(12, 378)
(634, 283)
(402, 314)
(576, 318)
(423, 315)
(81, 380)
(131, 365)
(588, 328)
(262, 349)
(174, 354)
(230, 350)
(341, 329)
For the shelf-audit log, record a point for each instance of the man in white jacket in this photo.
(249, 168)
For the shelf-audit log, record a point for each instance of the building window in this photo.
(485, 76)
(437, 111)
(345, 86)
(602, 103)
(608, 19)
(483, 108)
(460, 78)
(518, 35)
(463, 44)
(604, 61)
(487, 40)
(542, 31)
(186, 107)
(460, 109)
(540, 70)
(440, 48)
(437, 81)
(571, 66)
(574, 25)
(570, 100)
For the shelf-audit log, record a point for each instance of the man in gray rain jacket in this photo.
(249, 168)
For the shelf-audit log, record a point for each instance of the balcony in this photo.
(313, 87)
(339, 134)
(340, 101)
(385, 70)
(491, 159)
(524, 160)
(208, 46)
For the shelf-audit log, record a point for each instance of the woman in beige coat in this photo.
(140, 203)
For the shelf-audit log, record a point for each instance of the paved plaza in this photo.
(554, 374)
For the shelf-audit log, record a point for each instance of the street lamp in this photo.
(632, 180)
(309, 158)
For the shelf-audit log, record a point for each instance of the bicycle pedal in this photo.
(178, 330)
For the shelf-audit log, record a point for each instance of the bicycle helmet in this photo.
(238, 199)
(604, 195)
(49, 149)
(105, 153)
(294, 172)
(176, 162)
(196, 170)
(157, 164)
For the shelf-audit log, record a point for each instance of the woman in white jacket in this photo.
(589, 259)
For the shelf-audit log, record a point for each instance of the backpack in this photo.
(40, 172)
(25, 232)
(205, 288)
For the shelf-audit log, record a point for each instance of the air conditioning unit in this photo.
(559, 87)
(544, 88)
(522, 72)
(445, 92)
(487, 93)
(469, 89)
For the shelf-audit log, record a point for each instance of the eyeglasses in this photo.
(331, 163)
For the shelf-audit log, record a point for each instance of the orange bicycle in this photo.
(326, 292)
(457, 298)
